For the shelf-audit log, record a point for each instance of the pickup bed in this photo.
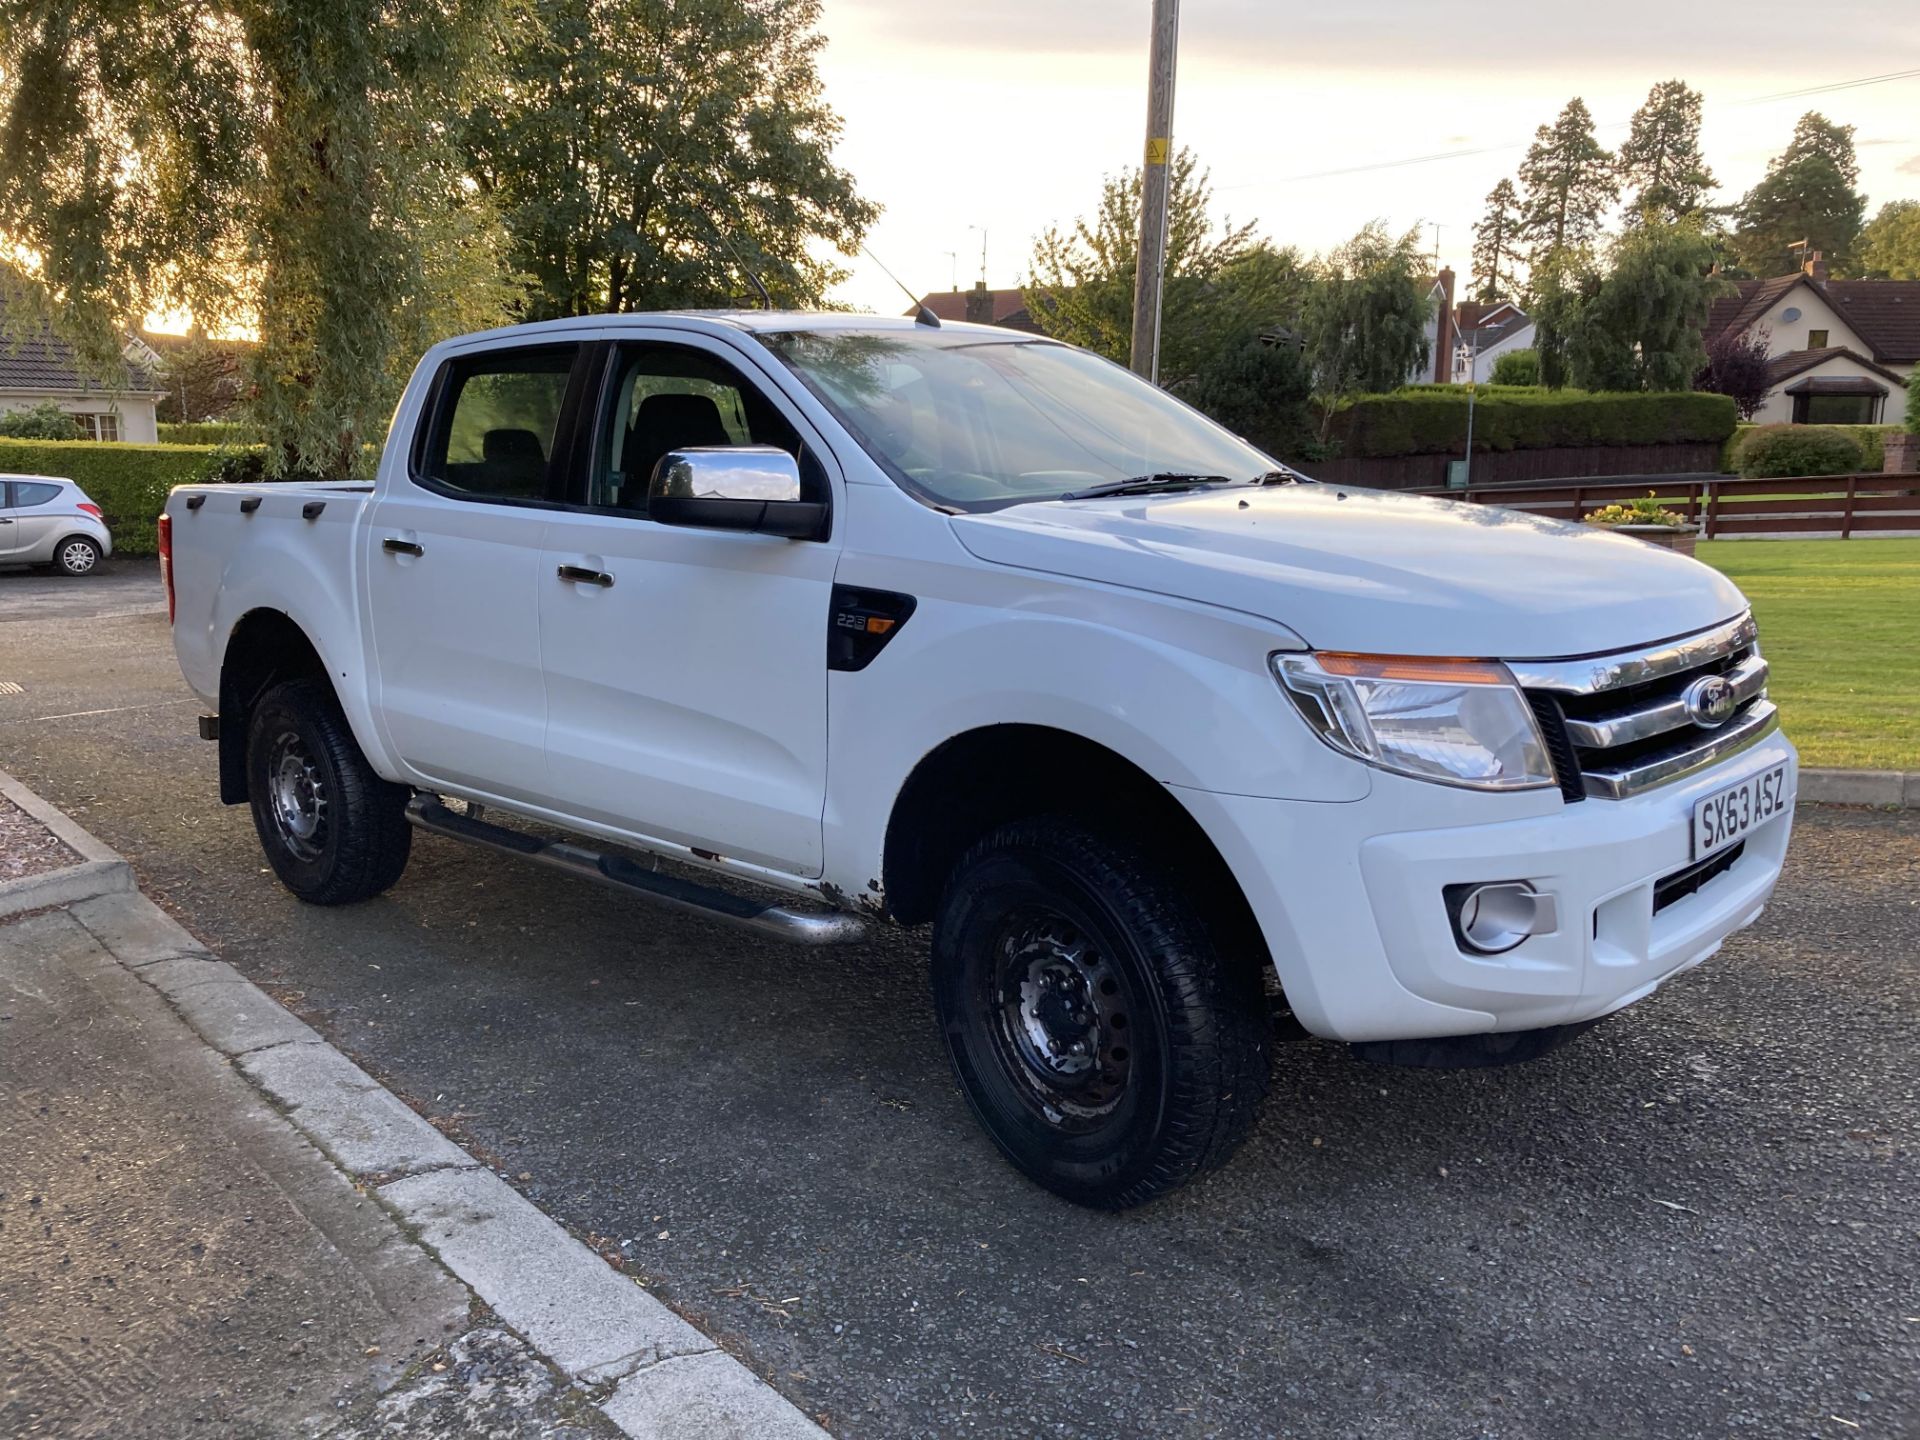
(949, 626)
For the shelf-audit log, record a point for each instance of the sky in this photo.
(1001, 116)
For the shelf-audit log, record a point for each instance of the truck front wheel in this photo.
(1103, 1042)
(333, 830)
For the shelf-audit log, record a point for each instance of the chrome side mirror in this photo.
(734, 487)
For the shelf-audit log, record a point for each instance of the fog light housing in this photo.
(1493, 919)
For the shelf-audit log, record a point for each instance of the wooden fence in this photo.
(1843, 505)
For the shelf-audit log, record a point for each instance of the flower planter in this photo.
(1668, 537)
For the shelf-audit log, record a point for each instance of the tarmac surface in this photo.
(1697, 1219)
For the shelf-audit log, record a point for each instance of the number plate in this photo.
(1725, 817)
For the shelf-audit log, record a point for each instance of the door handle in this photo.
(582, 575)
(400, 547)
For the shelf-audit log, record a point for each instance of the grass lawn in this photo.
(1840, 625)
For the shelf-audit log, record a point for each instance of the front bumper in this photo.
(1350, 898)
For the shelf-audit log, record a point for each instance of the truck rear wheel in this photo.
(333, 831)
(1103, 1042)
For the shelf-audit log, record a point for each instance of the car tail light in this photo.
(92, 509)
(165, 527)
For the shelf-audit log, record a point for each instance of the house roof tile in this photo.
(1885, 314)
(1798, 362)
(33, 358)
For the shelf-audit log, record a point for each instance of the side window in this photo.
(26, 493)
(674, 397)
(498, 417)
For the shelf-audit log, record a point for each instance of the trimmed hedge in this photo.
(1786, 450)
(207, 432)
(128, 482)
(1872, 440)
(1432, 420)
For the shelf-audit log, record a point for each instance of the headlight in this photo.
(1458, 722)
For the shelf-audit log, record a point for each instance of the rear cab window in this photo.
(496, 422)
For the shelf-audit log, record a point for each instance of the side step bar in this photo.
(802, 927)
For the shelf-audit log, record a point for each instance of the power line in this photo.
(1610, 125)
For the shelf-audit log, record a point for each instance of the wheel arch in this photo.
(265, 648)
(985, 777)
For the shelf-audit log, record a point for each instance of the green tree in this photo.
(1808, 194)
(1365, 318)
(1223, 288)
(651, 153)
(1562, 285)
(1499, 252)
(1567, 184)
(1890, 245)
(45, 421)
(1640, 327)
(1661, 158)
(273, 163)
(1259, 390)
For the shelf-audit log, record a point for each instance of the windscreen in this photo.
(979, 424)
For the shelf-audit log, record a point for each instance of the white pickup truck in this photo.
(961, 627)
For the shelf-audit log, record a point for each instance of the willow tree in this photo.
(1223, 288)
(276, 165)
(651, 153)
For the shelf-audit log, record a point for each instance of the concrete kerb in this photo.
(100, 871)
(1894, 789)
(596, 1326)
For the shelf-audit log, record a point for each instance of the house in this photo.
(1487, 331)
(981, 306)
(36, 366)
(1441, 330)
(1842, 351)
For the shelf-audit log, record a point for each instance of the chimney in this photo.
(1816, 265)
(1446, 334)
(979, 304)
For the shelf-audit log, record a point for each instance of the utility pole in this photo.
(1155, 188)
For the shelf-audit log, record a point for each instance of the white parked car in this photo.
(46, 520)
(964, 628)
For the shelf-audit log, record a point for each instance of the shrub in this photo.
(1913, 405)
(129, 482)
(45, 421)
(208, 432)
(1432, 420)
(1871, 439)
(1517, 367)
(1786, 450)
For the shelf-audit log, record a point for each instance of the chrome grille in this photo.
(1623, 722)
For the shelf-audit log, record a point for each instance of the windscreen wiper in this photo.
(1146, 484)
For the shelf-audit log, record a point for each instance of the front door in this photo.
(453, 564)
(687, 699)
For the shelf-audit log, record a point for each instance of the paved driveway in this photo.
(1703, 1218)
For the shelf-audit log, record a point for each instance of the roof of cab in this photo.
(750, 321)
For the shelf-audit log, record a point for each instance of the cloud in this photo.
(1908, 166)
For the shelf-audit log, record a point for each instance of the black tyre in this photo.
(1105, 1044)
(76, 555)
(334, 831)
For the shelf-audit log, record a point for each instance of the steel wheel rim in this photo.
(297, 797)
(78, 555)
(1060, 1020)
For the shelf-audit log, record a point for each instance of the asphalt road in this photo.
(1700, 1219)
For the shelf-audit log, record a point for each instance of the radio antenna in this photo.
(922, 315)
(766, 300)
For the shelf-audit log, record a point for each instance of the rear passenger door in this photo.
(37, 520)
(687, 690)
(452, 564)
(9, 530)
